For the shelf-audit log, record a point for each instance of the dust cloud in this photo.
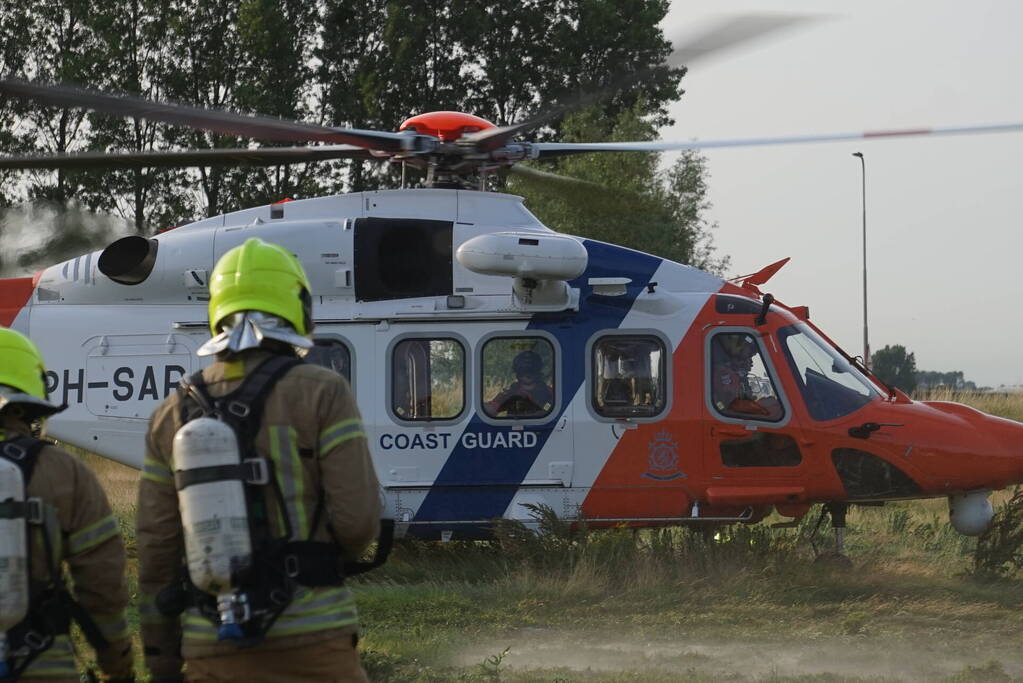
(918, 659)
(40, 234)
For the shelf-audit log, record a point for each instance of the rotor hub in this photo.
(447, 126)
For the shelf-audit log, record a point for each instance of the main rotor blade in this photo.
(555, 149)
(223, 122)
(732, 32)
(718, 38)
(266, 156)
(546, 178)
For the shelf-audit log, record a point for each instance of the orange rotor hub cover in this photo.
(448, 126)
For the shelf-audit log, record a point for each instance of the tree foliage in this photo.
(929, 379)
(895, 366)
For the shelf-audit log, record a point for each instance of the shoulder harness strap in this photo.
(23, 451)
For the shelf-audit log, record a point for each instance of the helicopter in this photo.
(499, 365)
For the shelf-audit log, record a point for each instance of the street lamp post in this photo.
(866, 343)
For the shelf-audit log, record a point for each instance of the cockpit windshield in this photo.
(831, 386)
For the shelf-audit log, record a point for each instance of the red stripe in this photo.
(14, 294)
(889, 133)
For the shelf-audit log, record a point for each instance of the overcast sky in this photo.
(944, 245)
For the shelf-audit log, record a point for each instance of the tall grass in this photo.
(1000, 403)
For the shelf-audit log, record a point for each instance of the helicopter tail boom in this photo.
(14, 294)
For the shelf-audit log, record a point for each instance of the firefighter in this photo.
(312, 499)
(63, 521)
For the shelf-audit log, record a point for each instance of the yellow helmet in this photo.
(259, 276)
(22, 374)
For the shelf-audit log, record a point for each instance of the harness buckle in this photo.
(291, 566)
(256, 471)
(34, 511)
(14, 451)
(279, 597)
(238, 409)
(36, 640)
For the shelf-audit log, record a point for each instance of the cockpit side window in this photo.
(830, 385)
(629, 376)
(741, 386)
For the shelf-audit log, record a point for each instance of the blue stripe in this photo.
(476, 485)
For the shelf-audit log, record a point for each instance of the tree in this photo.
(895, 366)
(60, 47)
(203, 70)
(625, 198)
(929, 379)
(131, 41)
(275, 78)
(14, 33)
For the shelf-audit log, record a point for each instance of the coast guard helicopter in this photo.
(500, 365)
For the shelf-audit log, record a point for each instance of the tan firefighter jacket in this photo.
(312, 432)
(87, 540)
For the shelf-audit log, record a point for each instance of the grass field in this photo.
(751, 604)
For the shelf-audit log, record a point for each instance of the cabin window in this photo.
(428, 379)
(402, 258)
(741, 386)
(332, 354)
(629, 378)
(830, 385)
(518, 378)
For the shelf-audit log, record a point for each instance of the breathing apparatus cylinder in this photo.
(13, 558)
(214, 518)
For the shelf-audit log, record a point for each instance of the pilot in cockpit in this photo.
(529, 396)
(732, 384)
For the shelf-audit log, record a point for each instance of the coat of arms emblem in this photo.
(663, 458)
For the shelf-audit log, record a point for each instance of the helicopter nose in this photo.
(990, 451)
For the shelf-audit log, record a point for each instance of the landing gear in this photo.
(838, 557)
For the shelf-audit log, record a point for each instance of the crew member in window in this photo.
(732, 392)
(529, 396)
